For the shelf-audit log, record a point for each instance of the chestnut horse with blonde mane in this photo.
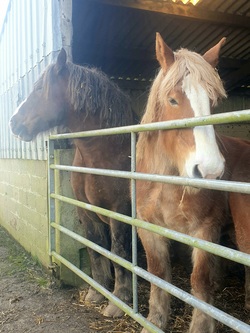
(82, 98)
(186, 86)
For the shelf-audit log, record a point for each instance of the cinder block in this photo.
(24, 196)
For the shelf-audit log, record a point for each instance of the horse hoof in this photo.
(94, 296)
(113, 311)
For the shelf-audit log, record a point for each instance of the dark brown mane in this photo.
(92, 92)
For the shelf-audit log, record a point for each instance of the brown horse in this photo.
(82, 98)
(186, 86)
(237, 155)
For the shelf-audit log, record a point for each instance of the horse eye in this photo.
(172, 101)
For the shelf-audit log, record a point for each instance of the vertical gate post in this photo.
(66, 215)
(134, 232)
(51, 189)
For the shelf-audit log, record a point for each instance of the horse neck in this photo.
(149, 149)
(77, 121)
(104, 152)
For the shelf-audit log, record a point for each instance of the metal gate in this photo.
(221, 185)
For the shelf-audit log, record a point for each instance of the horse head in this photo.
(46, 106)
(187, 86)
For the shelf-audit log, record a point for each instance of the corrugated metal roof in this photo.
(119, 35)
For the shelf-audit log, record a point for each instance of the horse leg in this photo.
(240, 210)
(121, 234)
(158, 262)
(203, 283)
(97, 232)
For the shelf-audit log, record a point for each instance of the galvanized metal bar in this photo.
(136, 316)
(51, 189)
(166, 286)
(108, 254)
(216, 249)
(221, 185)
(133, 213)
(222, 118)
(211, 310)
(204, 245)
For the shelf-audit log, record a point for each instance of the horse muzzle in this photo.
(19, 130)
(209, 171)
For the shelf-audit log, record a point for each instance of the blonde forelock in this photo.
(201, 72)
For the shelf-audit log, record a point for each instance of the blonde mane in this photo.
(186, 63)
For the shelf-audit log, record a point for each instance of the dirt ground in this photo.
(31, 301)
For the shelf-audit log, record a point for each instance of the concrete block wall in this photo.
(24, 212)
(234, 103)
(236, 130)
(24, 204)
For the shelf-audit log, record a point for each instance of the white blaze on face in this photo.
(206, 157)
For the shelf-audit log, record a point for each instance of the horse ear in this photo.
(164, 54)
(212, 55)
(61, 60)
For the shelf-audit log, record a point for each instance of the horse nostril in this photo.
(196, 172)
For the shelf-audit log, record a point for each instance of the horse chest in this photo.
(179, 213)
(172, 207)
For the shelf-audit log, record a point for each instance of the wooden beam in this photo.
(181, 11)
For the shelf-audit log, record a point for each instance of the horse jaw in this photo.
(205, 161)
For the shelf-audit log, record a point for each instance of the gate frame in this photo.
(231, 186)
